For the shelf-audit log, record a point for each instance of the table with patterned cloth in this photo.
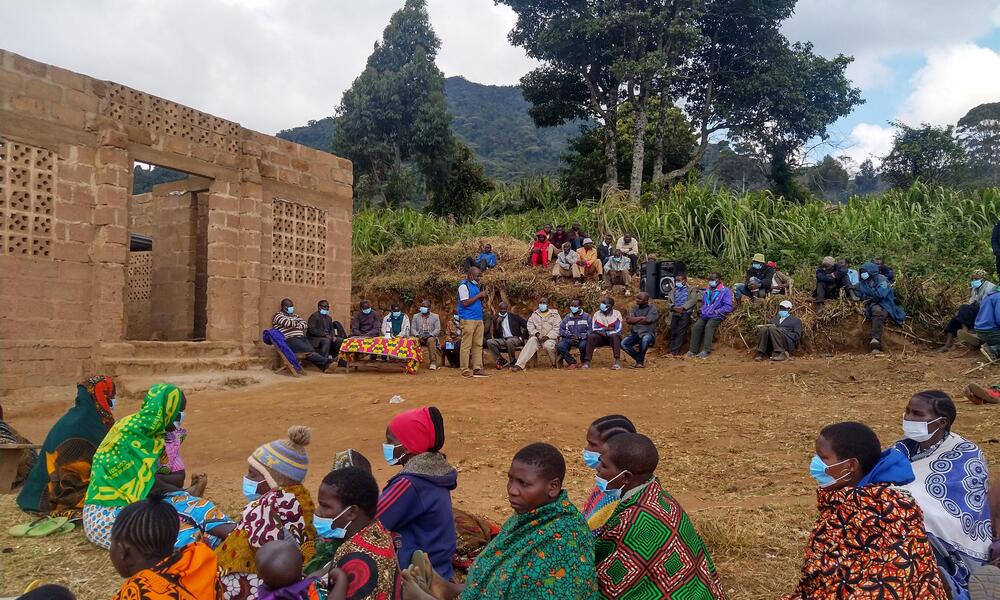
(406, 350)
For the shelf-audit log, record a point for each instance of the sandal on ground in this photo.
(42, 527)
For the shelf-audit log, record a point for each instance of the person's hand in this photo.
(337, 582)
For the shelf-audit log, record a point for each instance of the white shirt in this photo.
(505, 326)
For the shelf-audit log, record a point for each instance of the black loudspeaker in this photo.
(658, 277)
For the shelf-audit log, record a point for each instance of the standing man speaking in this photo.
(470, 312)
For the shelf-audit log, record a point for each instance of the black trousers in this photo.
(301, 345)
(327, 346)
(966, 317)
(679, 325)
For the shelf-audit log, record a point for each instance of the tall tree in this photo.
(927, 154)
(828, 179)
(395, 111)
(979, 134)
(867, 180)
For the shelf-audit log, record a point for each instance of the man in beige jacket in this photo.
(543, 331)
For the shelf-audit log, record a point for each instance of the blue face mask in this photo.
(396, 314)
(424, 310)
(602, 484)
(681, 285)
(976, 284)
(389, 453)
(713, 284)
(250, 488)
(324, 311)
(180, 417)
(326, 530)
(817, 469)
(758, 266)
(604, 307)
(784, 314)
(366, 311)
(574, 309)
(591, 458)
(290, 310)
(865, 275)
(543, 308)
(456, 319)
(113, 403)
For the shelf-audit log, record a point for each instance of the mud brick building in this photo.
(93, 278)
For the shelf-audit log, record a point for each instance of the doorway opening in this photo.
(167, 280)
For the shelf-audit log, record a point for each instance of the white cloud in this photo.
(268, 64)
(866, 141)
(954, 80)
(874, 31)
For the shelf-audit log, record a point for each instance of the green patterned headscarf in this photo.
(127, 459)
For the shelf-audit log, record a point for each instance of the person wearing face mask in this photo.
(543, 331)
(280, 507)
(876, 292)
(325, 334)
(629, 246)
(294, 329)
(617, 271)
(626, 471)
(868, 528)
(600, 505)
(573, 332)
(426, 327)
(762, 273)
(951, 486)
(543, 551)
(606, 330)
(566, 264)
(966, 318)
(780, 337)
(508, 334)
(831, 278)
(470, 309)
(395, 324)
(416, 503)
(366, 322)
(716, 304)
(682, 302)
(346, 508)
(642, 321)
(57, 484)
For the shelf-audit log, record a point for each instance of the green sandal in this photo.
(41, 528)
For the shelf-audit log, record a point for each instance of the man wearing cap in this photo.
(758, 280)
(589, 262)
(830, 279)
(779, 337)
(980, 288)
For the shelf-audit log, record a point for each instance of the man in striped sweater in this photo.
(294, 328)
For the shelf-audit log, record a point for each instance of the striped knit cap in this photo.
(286, 458)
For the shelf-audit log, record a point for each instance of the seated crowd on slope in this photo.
(916, 520)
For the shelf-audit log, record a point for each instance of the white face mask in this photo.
(918, 431)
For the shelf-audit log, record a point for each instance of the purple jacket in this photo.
(578, 325)
(717, 303)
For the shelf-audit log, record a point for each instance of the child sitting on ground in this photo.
(279, 565)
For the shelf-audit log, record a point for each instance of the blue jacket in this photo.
(416, 505)
(988, 318)
(473, 312)
(717, 303)
(893, 467)
(876, 290)
(489, 257)
(578, 325)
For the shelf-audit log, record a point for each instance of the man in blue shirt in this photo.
(487, 259)
(470, 311)
(988, 326)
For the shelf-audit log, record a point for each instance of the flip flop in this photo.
(67, 528)
(47, 527)
(981, 393)
(22, 529)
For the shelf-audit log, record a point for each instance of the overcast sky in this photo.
(273, 64)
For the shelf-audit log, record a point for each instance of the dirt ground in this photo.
(735, 439)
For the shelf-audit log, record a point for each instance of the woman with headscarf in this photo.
(280, 508)
(416, 503)
(58, 482)
(28, 458)
(869, 540)
(124, 471)
(951, 486)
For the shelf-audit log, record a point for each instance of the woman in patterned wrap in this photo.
(951, 486)
(58, 482)
(869, 541)
(280, 508)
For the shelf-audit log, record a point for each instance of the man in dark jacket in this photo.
(885, 270)
(573, 332)
(758, 281)
(830, 279)
(880, 303)
(367, 322)
(642, 319)
(607, 247)
(508, 333)
(779, 337)
(683, 300)
(325, 334)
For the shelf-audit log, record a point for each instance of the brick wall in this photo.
(69, 142)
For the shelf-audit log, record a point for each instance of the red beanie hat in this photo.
(419, 430)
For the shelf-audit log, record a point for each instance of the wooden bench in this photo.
(10, 458)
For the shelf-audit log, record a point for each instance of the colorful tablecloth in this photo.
(405, 349)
